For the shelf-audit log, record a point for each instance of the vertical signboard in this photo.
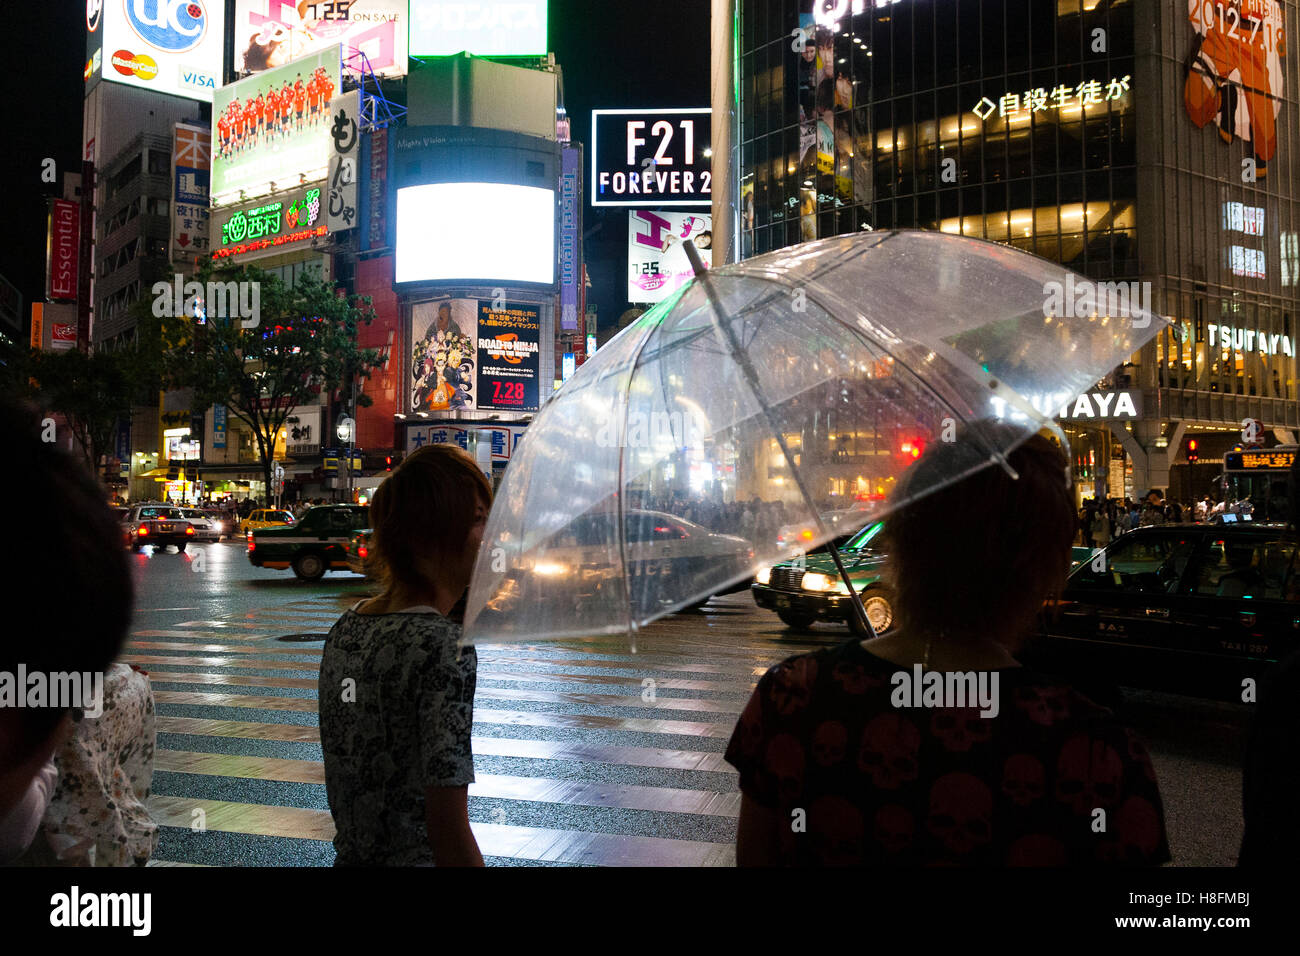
(65, 237)
(345, 135)
(37, 339)
(218, 426)
(378, 194)
(570, 236)
(191, 172)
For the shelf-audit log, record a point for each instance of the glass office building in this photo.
(1163, 155)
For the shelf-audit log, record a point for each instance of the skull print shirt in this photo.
(396, 713)
(1052, 779)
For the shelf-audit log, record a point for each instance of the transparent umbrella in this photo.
(770, 406)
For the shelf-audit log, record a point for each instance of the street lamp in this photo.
(346, 430)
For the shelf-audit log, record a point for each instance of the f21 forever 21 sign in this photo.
(651, 158)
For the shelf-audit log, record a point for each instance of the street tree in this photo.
(302, 340)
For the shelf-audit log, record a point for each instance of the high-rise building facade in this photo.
(1132, 141)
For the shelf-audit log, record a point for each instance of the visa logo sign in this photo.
(203, 81)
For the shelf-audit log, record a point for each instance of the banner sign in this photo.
(570, 233)
(378, 189)
(218, 426)
(270, 33)
(273, 128)
(298, 217)
(345, 132)
(478, 27)
(469, 355)
(65, 238)
(191, 174)
(657, 263)
(651, 158)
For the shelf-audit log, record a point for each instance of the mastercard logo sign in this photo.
(135, 64)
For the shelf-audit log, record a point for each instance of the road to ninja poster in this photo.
(443, 336)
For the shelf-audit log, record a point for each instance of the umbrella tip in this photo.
(693, 254)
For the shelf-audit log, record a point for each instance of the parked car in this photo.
(1186, 608)
(159, 526)
(316, 544)
(205, 528)
(266, 518)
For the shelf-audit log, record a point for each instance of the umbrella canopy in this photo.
(774, 404)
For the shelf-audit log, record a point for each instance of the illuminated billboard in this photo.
(478, 27)
(273, 128)
(271, 33)
(167, 46)
(469, 354)
(488, 232)
(657, 263)
(651, 158)
(295, 216)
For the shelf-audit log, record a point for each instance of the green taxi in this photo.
(315, 544)
(808, 588)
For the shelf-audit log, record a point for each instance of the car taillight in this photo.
(251, 543)
(362, 552)
(189, 529)
(143, 531)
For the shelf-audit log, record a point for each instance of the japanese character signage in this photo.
(191, 171)
(1090, 93)
(298, 217)
(345, 132)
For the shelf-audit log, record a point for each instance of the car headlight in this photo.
(815, 581)
(764, 576)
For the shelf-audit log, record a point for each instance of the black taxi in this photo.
(1192, 609)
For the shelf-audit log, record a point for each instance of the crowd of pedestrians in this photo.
(1102, 521)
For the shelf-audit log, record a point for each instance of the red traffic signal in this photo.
(1192, 454)
(388, 463)
(911, 448)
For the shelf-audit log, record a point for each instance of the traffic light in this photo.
(1192, 455)
(388, 463)
(911, 448)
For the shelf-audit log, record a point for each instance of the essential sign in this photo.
(65, 236)
(651, 158)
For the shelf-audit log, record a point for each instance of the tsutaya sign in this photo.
(1249, 340)
(1090, 406)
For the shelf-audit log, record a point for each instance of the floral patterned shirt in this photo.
(396, 712)
(886, 785)
(97, 814)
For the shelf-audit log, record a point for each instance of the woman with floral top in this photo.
(396, 691)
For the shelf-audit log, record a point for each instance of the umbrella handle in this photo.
(751, 379)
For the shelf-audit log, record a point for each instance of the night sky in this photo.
(615, 53)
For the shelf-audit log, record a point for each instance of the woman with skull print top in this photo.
(912, 786)
(932, 745)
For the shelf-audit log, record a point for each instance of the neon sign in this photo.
(272, 224)
(1062, 97)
